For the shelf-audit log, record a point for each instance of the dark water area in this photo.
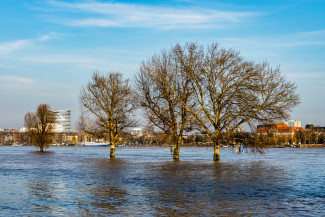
(147, 182)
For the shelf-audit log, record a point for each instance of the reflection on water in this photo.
(145, 181)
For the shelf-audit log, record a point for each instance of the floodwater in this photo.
(147, 182)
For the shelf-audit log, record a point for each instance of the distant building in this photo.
(293, 123)
(279, 129)
(63, 120)
(23, 129)
(309, 126)
(317, 128)
(10, 130)
(136, 132)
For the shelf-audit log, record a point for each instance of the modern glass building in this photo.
(293, 123)
(63, 120)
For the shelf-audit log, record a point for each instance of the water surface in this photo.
(147, 182)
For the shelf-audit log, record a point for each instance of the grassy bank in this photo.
(312, 146)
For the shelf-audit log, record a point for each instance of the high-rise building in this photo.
(293, 123)
(63, 120)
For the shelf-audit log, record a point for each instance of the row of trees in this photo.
(23, 138)
(189, 88)
(300, 137)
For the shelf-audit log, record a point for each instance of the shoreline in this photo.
(198, 146)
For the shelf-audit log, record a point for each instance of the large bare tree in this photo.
(107, 106)
(40, 126)
(163, 109)
(231, 91)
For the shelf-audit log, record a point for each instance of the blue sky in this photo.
(49, 49)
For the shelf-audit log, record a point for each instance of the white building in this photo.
(136, 132)
(293, 123)
(63, 120)
(23, 129)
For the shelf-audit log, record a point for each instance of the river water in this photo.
(147, 182)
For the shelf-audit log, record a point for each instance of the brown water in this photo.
(146, 181)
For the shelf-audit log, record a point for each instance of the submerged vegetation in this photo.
(215, 90)
(40, 126)
(207, 90)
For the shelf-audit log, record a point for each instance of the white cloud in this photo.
(307, 39)
(132, 15)
(302, 76)
(11, 46)
(318, 33)
(16, 79)
(315, 38)
(60, 58)
(52, 35)
(78, 63)
(299, 39)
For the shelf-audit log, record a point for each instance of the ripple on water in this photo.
(146, 181)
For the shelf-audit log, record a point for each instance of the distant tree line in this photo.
(126, 138)
(23, 138)
(311, 136)
(161, 139)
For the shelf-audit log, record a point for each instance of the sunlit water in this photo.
(147, 182)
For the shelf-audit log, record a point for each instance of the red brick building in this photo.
(278, 130)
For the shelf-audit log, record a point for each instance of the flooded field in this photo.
(147, 182)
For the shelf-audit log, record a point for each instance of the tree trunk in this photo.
(41, 148)
(112, 153)
(216, 148)
(177, 147)
(176, 151)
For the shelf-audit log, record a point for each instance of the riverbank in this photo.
(312, 146)
(168, 145)
(297, 146)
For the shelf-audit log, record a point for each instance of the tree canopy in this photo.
(163, 109)
(40, 126)
(228, 93)
(106, 103)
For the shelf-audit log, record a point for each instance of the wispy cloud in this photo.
(52, 35)
(302, 76)
(300, 39)
(133, 15)
(61, 58)
(307, 38)
(11, 46)
(82, 62)
(16, 79)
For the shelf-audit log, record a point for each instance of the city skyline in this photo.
(49, 49)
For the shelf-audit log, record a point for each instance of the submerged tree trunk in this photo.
(216, 149)
(112, 152)
(176, 152)
(177, 147)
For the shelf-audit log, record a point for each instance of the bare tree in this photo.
(163, 109)
(106, 104)
(148, 134)
(40, 126)
(232, 92)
